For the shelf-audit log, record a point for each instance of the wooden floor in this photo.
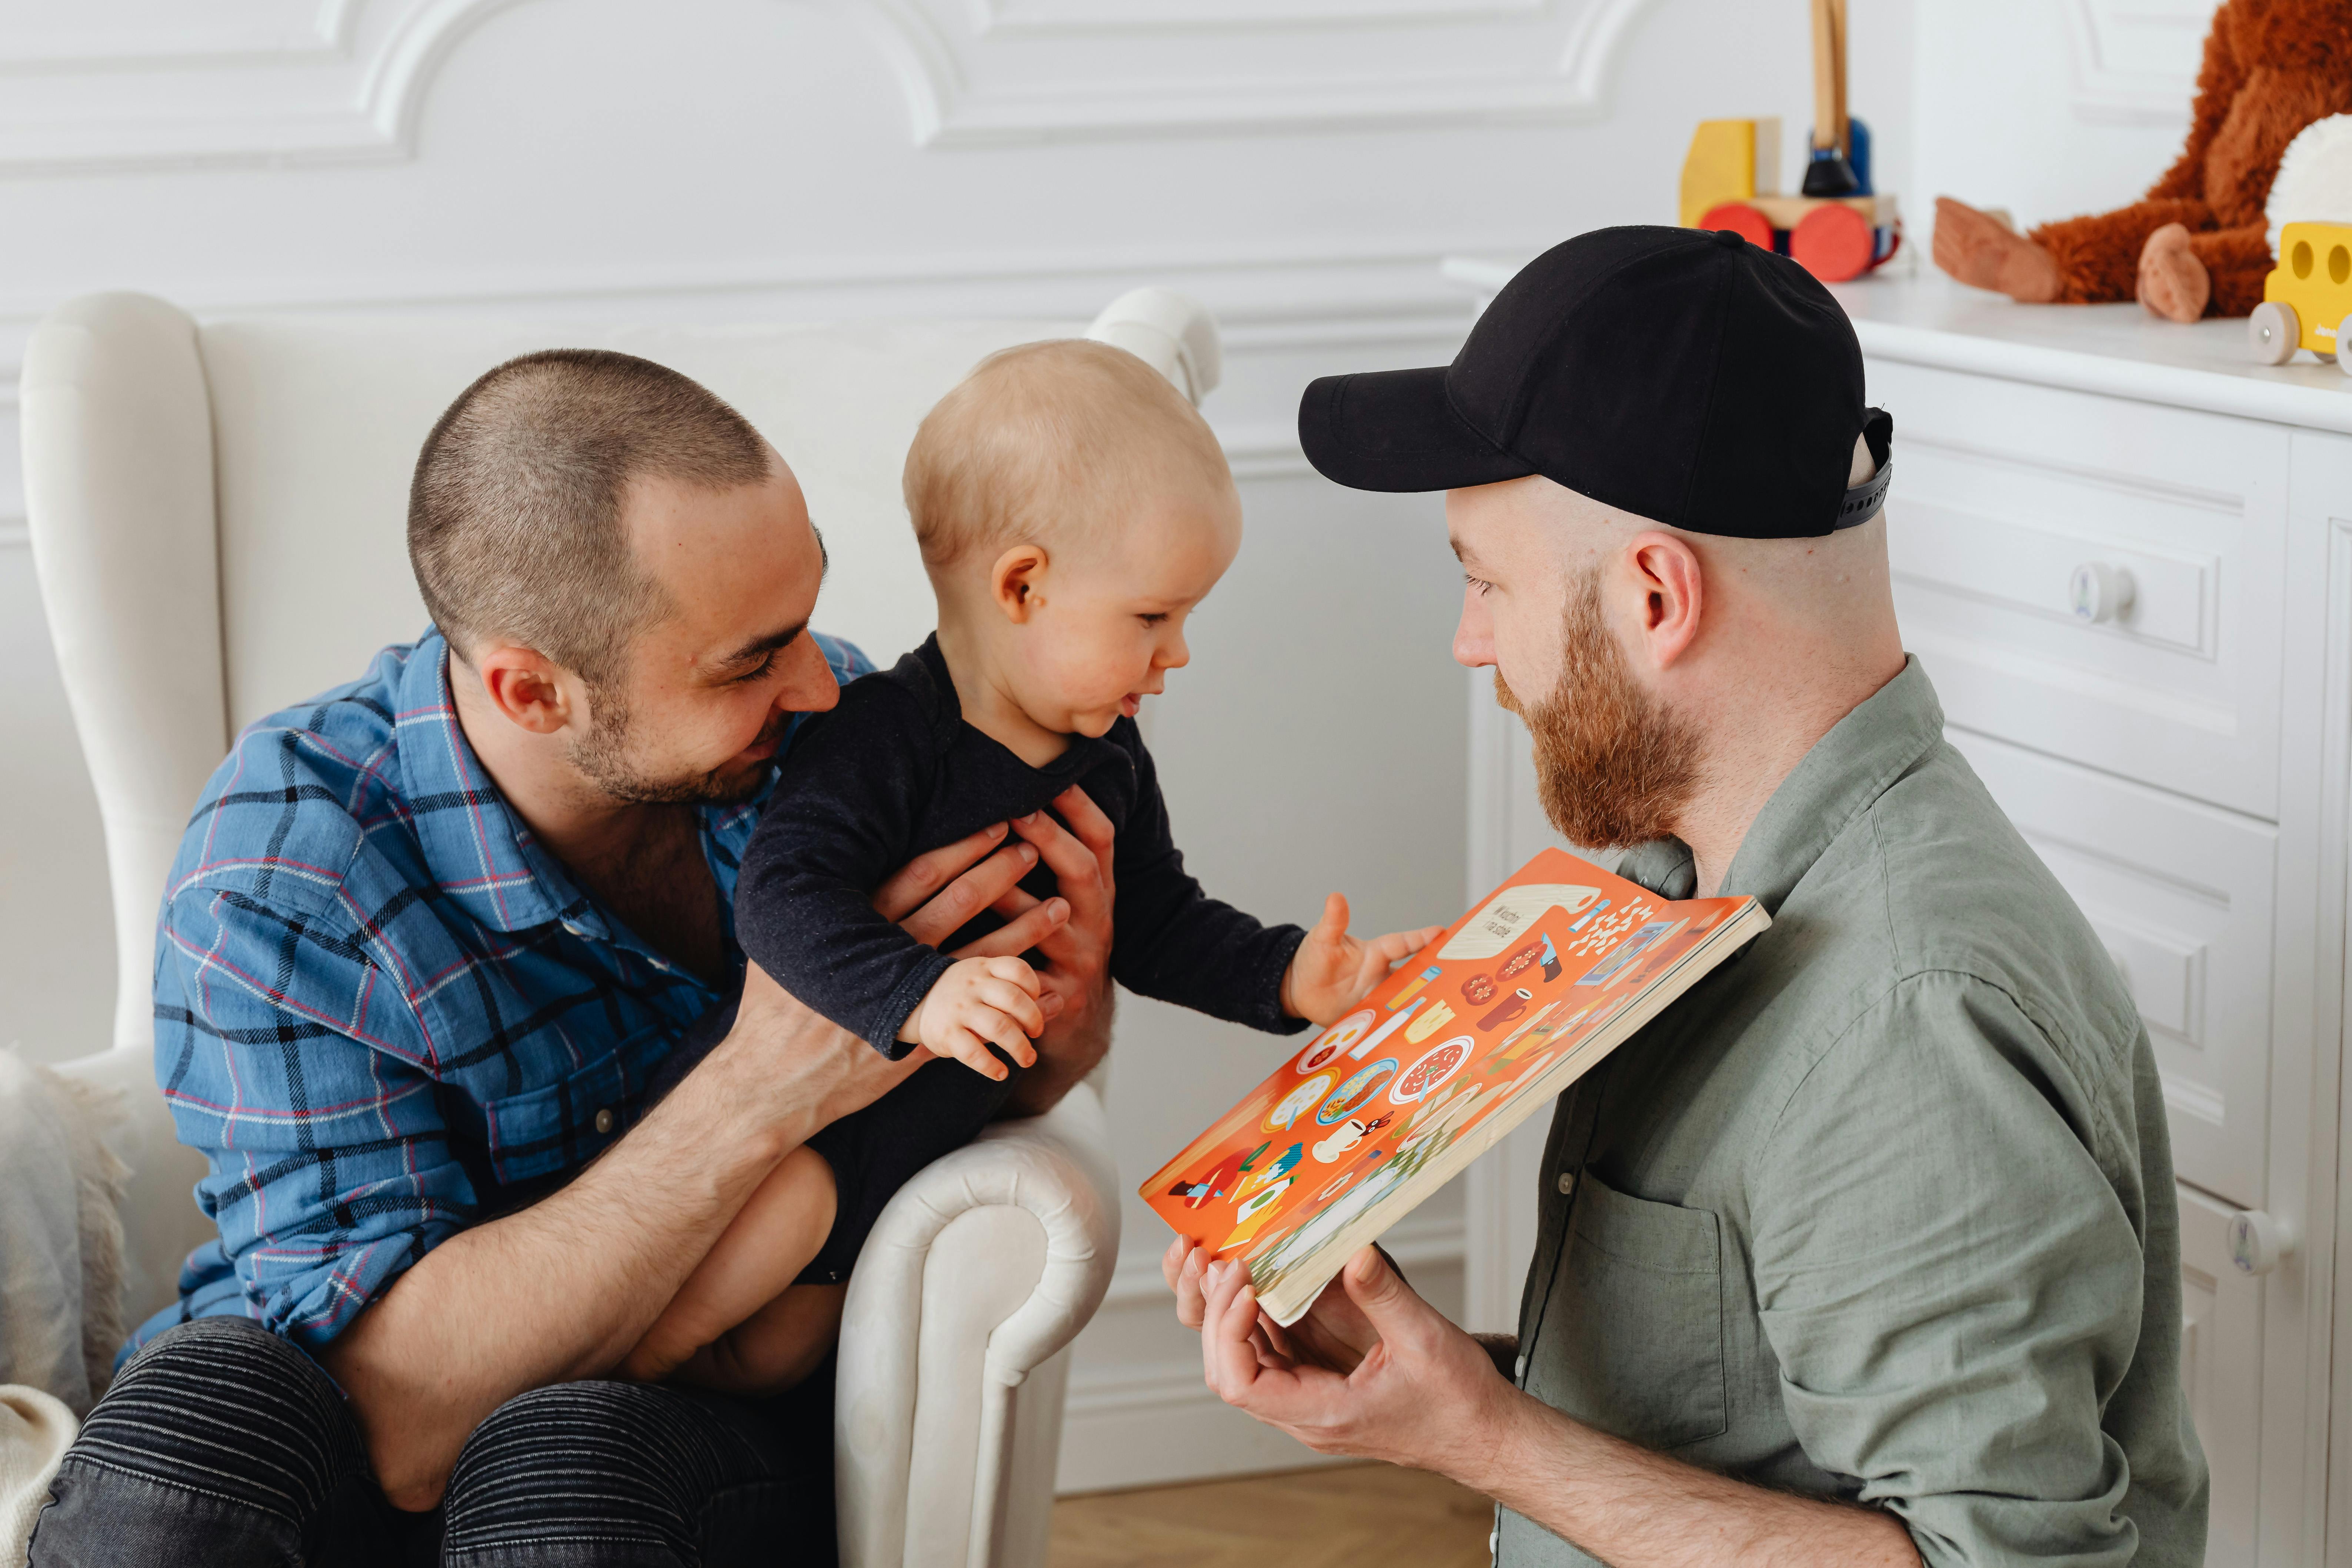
(1360, 1516)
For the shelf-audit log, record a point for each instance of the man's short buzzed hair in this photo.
(1045, 438)
(514, 517)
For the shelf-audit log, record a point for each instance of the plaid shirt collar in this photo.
(485, 856)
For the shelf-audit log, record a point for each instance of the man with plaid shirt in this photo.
(427, 940)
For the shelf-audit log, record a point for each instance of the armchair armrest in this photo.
(948, 1403)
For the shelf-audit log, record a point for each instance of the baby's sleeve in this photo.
(840, 821)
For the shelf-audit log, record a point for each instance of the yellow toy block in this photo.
(1730, 161)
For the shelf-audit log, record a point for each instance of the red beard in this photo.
(1613, 766)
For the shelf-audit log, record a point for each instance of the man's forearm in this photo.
(1636, 1509)
(563, 1289)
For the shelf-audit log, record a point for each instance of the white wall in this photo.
(2051, 107)
(1302, 165)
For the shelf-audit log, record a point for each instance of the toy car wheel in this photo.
(2272, 331)
(1834, 243)
(1741, 220)
(2343, 360)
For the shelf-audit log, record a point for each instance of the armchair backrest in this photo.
(218, 509)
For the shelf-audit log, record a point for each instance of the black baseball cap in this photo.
(1680, 375)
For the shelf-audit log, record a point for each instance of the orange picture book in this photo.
(1518, 999)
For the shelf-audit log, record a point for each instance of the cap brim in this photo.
(1395, 430)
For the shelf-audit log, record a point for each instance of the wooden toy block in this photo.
(1730, 161)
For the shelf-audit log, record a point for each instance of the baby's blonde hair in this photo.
(1043, 440)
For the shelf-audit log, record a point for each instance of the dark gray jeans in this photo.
(220, 1444)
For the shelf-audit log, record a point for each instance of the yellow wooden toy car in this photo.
(2307, 298)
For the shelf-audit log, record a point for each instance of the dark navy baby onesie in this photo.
(891, 772)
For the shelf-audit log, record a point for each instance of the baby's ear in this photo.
(1013, 582)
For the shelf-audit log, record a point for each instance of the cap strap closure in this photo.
(1867, 499)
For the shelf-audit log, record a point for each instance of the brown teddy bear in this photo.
(2197, 243)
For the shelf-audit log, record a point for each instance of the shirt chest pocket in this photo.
(543, 1130)
(1632, 1340)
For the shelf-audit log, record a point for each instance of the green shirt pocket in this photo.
(1632, 1341)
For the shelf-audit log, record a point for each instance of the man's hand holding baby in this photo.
(978, 1003)
(1331, 971)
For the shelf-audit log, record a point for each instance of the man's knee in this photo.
(604, 1460)
(219, 1443)
(636, 1474)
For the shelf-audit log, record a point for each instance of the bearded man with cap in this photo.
(1865, 1250)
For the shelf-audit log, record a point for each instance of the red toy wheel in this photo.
(1742, 220)
(1834, 243)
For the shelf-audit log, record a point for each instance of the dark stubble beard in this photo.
(1614, 766)
(604, 757)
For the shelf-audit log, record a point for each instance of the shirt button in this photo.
(1519, 1369)
(605, 1120)
(1567, 1183)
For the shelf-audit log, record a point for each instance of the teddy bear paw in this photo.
(2172, 282)
(1980, 250)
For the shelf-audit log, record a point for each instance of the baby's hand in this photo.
(976, 1002)
(1331, 971)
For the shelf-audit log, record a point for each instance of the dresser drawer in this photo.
(2004, 492)
(2182, 895)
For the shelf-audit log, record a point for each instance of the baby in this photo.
(1072, 509)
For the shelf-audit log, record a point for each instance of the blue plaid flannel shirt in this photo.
(381, 1009)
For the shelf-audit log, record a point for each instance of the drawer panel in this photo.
(2221, 1372)
(2181, 894)
(2006, 491)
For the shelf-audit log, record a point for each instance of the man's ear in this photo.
(524, 686)
(1673, 587)
(1015, 580)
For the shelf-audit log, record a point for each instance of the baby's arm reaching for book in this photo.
(1331, 971)
(1175, 942)
(977, 1003)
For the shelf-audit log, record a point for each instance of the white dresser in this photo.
(2181, 763)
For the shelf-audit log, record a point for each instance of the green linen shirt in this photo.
(1882, 1210)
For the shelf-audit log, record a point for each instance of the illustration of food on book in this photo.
(1557, 968)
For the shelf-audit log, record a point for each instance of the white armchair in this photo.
(216, 515)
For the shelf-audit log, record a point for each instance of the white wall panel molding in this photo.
(2133, 62)
(293, 81)
(333, 81)
(1261, 291)
(162, 34)
(1094, 18)
(1004, 70)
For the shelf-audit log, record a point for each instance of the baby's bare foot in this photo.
(1985, 253)
(2172, 282)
